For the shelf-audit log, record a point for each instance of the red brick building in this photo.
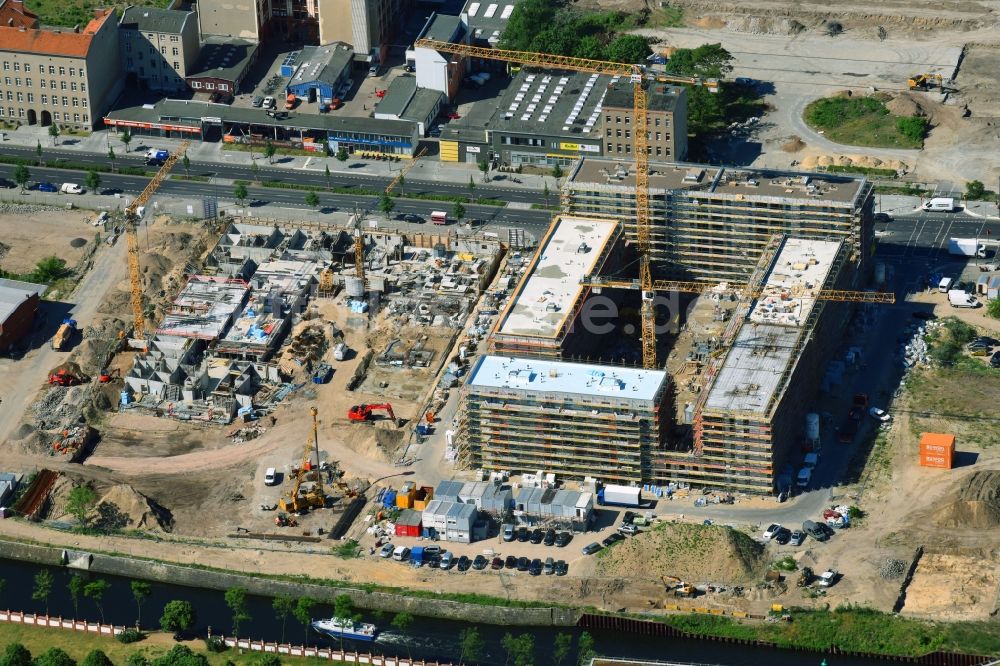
(18, 305)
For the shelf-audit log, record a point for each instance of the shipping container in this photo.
(936, 461)
(939, 443)
(408, 524)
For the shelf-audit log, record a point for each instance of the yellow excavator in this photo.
(315, 497)
(925, 81)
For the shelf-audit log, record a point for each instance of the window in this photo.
(27, 82)
(6, 66)
(52, 69)
(163, 50)
(618, 133)
(657, 136)
(86, 118)
(83, 87)
(72, 71)
(196, 84)
(27, 67)
(658, 151)
(31, 98)
(609, 147)
(20, 97)
(224, 87)
(628, 134)
(1, 112)
(76, 102)
(20, 113)
(83, 102)
(62, 71)
(17, 82)
(62, 85)
(175, 51)
(52, 84)
(65, 101)
(609, 132)
(177, 65)
(628, 148)
(150, 35)
(72, 86)
(76, 117)
(17, 66)
(42, 83)
(618, 120)
(81, 73)
(657, 121)
(173, 38)
(210, 86)
(45, 99)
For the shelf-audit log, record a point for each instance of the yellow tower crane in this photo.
(132, 234)
(639, 80)
(315, 497)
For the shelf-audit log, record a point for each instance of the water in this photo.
(426, 638)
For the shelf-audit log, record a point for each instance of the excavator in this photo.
(925, 81)
(365, 413)
(315, 497)
(64, 377)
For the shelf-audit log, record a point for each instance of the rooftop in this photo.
(487, 19)
(659, 97)
(67, 43)
(442, 28)
(768, 343)
(552, 103)
(546, 296)
(722, 182)
(322, 63)
(582, 379)
(204, 308)
(13, 293)
(223, 58)
(151, 19)
(13, 13)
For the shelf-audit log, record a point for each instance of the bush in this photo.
(831, 112)
(54, 657)
(15, 654)
(913, 128)
(215, 644)
(959, 331)
(786, 563)
(993, 309)
(96, 658)
(974, 189)
(181, 655)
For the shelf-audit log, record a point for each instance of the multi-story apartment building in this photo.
(13, 14)
(64, 76)
(666, 116)
(244, 19)
(366, 25)
(159, 47)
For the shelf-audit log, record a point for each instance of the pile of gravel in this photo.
(892, 569)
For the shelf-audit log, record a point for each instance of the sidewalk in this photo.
(896, 204)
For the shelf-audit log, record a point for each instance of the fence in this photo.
(16, 617)
(327, 653)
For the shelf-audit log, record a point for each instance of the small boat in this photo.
(338, 627)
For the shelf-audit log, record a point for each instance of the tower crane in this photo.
(132, 234)
(639, 79)
(315, 497)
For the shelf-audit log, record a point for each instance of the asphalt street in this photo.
(920, 234)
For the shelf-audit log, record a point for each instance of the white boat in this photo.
(338, 627)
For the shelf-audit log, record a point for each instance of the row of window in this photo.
(41, 69)
(152, 49)
(66, 101)
(149, 35)
(628, 120)
(649, 135)
(224, 87)
(627, 149)
(17, 83)
(153, 64)
(65, 117)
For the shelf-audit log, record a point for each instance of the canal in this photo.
(427, 638)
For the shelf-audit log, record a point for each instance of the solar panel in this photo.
(473, 8)
(491, 10)
(507, 11)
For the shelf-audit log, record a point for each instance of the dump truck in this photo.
(64, 334)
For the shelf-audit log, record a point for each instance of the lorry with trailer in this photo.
(959, 298)
(618, 496)
(64, 334)
(966, 247)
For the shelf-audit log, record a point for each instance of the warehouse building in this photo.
(571, 419)
(404, 100)
(749, 420)
(159, 47)
(713, 223)
(18, 306)
(222, 66)
(321, 71)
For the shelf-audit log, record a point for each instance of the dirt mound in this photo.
(709, 22)
(867, 161)
(976, 504)
(123, 507)
(694, 553)
(904, 105)
(793, 145)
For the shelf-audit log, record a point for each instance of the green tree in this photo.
(254, 171)
(303, 613)
(327, 167)
(178, 616)
(181, 655)
(21, 175)
(49, 270)
(93, 180)
(993, 310)
(342, 154)
(283, 607)
(706, 111)
(54, 133)
(240, 192)
(707, 61)
(631, 49)
(546, 193)
(126, 138)
(96, 658)
(975, 189)
(43, 588)
(585, 648)
(401, 622)
(914, 128)
(401, 184)
(484, 166)
(75, 587)
(472, 645)
(520, 649)
(54, 657)
(590, 46)
(458, 211)
(111, 156)
(236, 599)
(82, 498)
(140, 592)
(266, 660)
(38, 151)
(186, 162)
(94, 591)
(557, 171)
(269, 151)
(386, 204)
(15, 654)
(312, 199)
(137, 659)
(561, 648)
(472, 190)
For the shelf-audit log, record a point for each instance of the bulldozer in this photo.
(366, 413)
(315, 497)
(63, 377)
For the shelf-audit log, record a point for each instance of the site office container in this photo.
(408, 524)
(937, 450)
(936, 460)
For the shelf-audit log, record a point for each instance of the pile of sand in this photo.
(793, 145)
(976, 504)
(815, 161)
(904, 105)
(123, 507)
(694, 553)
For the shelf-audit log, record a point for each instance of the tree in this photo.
(266, 660)
(401, 184)
(111, 156)
(75, 587)
(254, 170)
(16, 654)
(327, 167)
(458, 211)
(707, 61)
(705, 110)
(312, 199)
(914, 128)
(186, 161)
(21, 175)
(557, 171)
(96, 658)
(43, 588)
(269, 151)
(342, 154)
(974, 189)
(283, 607)
(95, 591)
(54, 657)
(93, 180)
(54, 133)
(520, 649)
(180, 655)
(472, 645)
(49, 270)
(386, 204)
(140, 592)
(631, 49)
(126, 138)
(484, 166)
(472, 190)
(236, 599)
(402, 622)
(240, 192)
(82, 498)
(585, 648)
(303, 613)
(137, 659)
(546, 193)
(561, 648)
(590, 46)
(178, 616)
(993, 309)
(38, 151)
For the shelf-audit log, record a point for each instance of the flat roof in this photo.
(204, 308)
(423, 104)
(487, 19)
(322, 63)
(722, 182)
(767, 344)
(15, 292)
(152, 19)
(552, 103)
(546, 295)
(223, 58)
(583, 379)
(659, 97)
(397, 95)
(442, 28)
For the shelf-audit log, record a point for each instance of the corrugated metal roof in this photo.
(15, 292)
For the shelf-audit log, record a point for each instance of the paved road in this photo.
(919, 234)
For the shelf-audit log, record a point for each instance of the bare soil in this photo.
(34, 234)
(957, 586)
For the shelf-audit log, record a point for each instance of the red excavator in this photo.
(107, 375)
(364, 413)
(63, 377)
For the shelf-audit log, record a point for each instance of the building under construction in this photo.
(713, 223)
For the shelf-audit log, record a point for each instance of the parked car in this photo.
(798, 536)
(591, 548)
(550, 538)
(987, 340)
(510, 562)
(815, 530)
(535, 568)
(550, 566)
(386, 551)
(995, 360)
(523, 535)
(563, 539)
(446, 560)
(7, 184)
(479, 563)
(537, 536)
(827, 578)
(508, 532)
(269, 102)
(612, 539)
(71, 188)
(401, 553)
(628, 528)
(827, 530)
(882, 217)
(783, 536)
(257, 101)
(879, 414)
(523, 563)
(628, 517)
(496, 564)
(463, 563)
(46, 187)
(561, 568)
(771, 530)
(980, 350)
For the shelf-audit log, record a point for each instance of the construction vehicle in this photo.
(315, 497)
(64, 334)
(806, 577)
(925, 81)
(284, 520)
(63, 377)
(365, 413)
(107, 375)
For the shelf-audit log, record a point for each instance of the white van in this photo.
(940, 205)
(945, 284)
(401, 553)
(340, 352)
(71, 188)
(270, 476)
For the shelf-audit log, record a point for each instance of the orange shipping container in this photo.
(934, 460)
(937, 442)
